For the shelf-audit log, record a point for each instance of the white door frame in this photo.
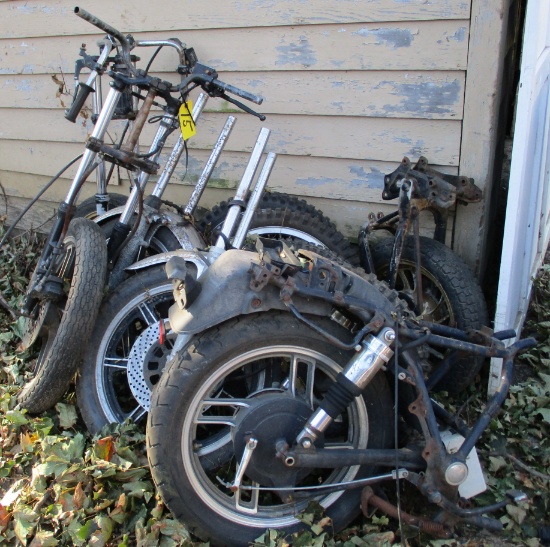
(527, 225)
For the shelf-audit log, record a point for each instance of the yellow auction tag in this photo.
(188, 128)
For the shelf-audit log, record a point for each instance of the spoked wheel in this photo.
(255, 377)
(285, 217)
(103, 387)
(450, 296)
(63, 327)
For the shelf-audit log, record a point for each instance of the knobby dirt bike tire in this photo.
(62, 349)
(445, 276)
(208, 363)
(294, 216)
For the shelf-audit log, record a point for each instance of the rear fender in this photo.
(226, 293)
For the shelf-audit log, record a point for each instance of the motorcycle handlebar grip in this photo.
(93, 20)
(83, 91)
(239, 92)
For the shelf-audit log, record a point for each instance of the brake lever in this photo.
(242, 106)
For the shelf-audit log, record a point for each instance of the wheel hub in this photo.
(146, 362)
(272, 419)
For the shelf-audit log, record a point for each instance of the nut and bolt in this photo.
(389, 335)
(306, 443)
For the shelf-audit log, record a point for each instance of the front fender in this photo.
(226, 293)
(201, 260)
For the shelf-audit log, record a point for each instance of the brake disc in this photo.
(146, 362)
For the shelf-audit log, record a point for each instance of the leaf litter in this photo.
(61, 486)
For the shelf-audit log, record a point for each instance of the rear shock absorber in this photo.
(374, 352)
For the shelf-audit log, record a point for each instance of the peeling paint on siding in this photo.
(391, 37)
(296, 54)
(425, 97)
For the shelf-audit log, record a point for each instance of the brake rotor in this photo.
(146, 362)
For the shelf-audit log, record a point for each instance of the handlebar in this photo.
(97, 22)
(207, 79)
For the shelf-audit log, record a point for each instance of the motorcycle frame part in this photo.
(441, 190)
(242, 190)
(209, 166)
(434, 485)
(402, 230)
(231, 272)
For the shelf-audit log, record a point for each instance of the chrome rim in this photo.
(289, 370)
(111, 375)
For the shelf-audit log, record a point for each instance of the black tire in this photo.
(284, 216)
(244, 359)
(102, 387)
(72, 320)
(452, 296)
(87, 209)
(103, 392)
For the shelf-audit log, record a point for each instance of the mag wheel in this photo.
(450, 294)
(259, 375)
(103, 388)
(285, 217)
(63, 327)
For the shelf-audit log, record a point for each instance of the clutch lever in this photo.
(241, 106)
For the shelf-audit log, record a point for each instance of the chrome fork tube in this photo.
(99, 131)
(240, 196)
(210, 164)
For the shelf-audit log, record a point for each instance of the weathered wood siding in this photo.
(350, 87)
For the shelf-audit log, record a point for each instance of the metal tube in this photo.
(140, 120)
(343, 457)
(255, 198)
(151, 43)
(210, 164)
(242, 190)
(99, 131)
(139, 187)
(177, 151)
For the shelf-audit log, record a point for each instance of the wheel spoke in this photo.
(310, 379)
(292, 375)
(250, 506)
(443, 319)
(220, 419)
(148, 313)
(116, 362)
(137, 414)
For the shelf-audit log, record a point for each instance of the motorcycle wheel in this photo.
(103, 386)
(451, 296)
(263, 373)
(87, 209)
(285, 217)
(64, 327)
